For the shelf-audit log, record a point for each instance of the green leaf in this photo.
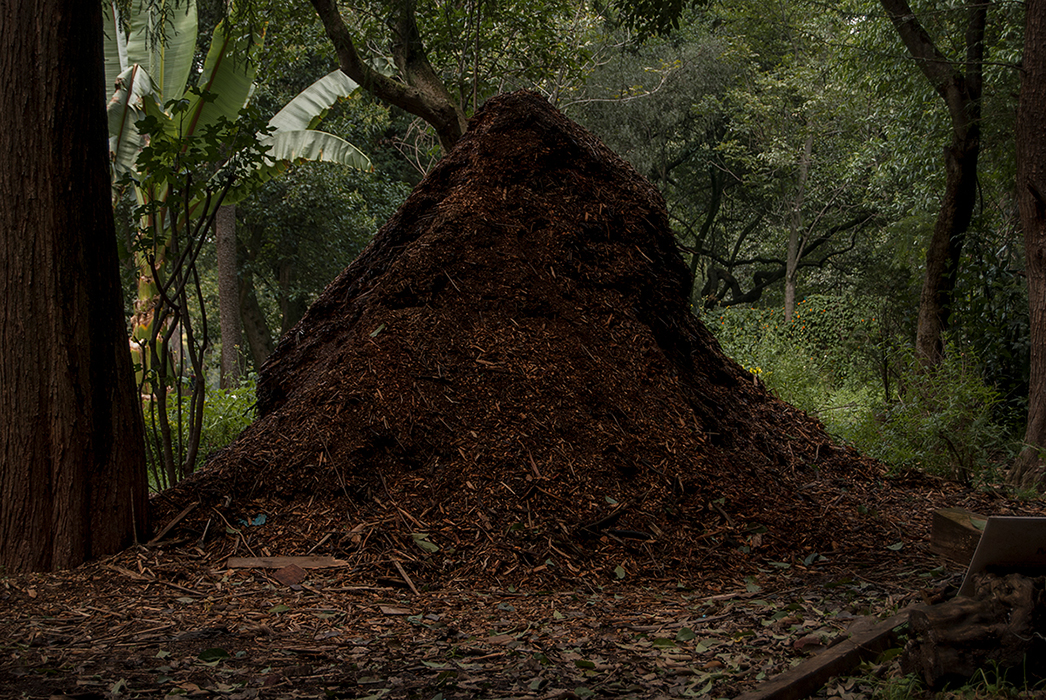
(213, 654)
(279, 608)
(169, 61)
(706, 644)
(309, 145)
(619, 571)
(584, 663)
(663, 642)
(685, 634)
(374, 334)
(310, 105)
(228, 75)
(123, 112)
(115, 52)
(895, 547)
(422, 540)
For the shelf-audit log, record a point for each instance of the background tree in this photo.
(959, 82)
(72, 465)
(753, 136)
(1031, 194)
(439, 61)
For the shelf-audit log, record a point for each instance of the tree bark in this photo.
(795, 249)
(259, 338)
(228, 295)
(1031, 198)
(999, 627)
(72, 461)
(421, 93)
(292, 306)
(961, 92)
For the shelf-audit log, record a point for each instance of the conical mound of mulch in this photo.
(508, 384)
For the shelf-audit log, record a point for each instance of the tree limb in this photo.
(423, 94)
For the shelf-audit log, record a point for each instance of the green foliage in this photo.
(781, 355)
(834, 362)
(226, 413)
(942, 423)
(991, 313)
(831, 346)
(183, 177)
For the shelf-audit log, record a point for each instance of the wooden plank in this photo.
(280, 562)
(802, 680)
(955, 533)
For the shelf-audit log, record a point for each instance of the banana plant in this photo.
(152, 106)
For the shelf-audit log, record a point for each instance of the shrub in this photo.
(226, 412)
(829, 345)
(942, 423)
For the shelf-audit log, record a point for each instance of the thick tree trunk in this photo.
(961, 93)
(421, 92)
(72, 462)
(1031, 196)
(228, 295)
(998, 627)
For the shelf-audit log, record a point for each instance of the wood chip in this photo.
(290, 575)
(281, 562)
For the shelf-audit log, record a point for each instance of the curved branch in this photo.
(423, 94)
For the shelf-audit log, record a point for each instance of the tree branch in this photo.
(423, 94)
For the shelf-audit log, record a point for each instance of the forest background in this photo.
(799, 149)
(842, 179)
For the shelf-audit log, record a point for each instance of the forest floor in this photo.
(173, 620)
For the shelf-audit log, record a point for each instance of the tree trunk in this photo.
(795, 250)
(961, 93)
(1031, 196)
(259, 339)
(998, 627)
(292, 306)
(945, 248)
(228, 295)
(72, 462)
(421, 92)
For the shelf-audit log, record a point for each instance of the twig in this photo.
(403, 573)
(170, 525)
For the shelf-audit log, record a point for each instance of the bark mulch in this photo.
(530, 471)
(508, 385)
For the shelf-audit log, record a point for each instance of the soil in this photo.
(530, 470)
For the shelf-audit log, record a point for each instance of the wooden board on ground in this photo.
(955, 533)
(804, 679)
(1010, 544)
(280, 562)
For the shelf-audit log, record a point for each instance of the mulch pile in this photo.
(508, 385)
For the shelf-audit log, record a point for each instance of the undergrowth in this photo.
(835, 362)
(226, 412)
